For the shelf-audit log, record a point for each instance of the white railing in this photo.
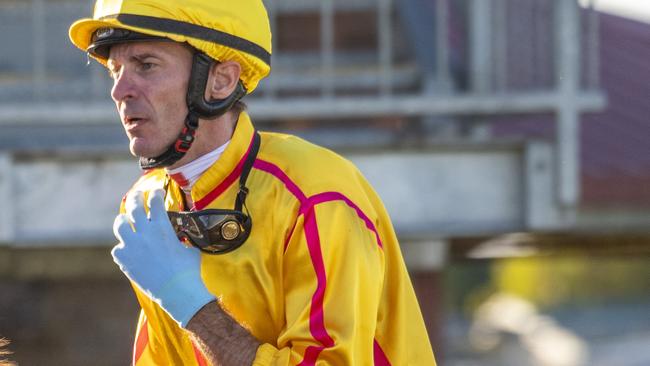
(446, 190)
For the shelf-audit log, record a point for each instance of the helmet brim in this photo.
(81, 31)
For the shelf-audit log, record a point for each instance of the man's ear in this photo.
(223, 79)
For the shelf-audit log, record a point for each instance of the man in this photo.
(286, 254)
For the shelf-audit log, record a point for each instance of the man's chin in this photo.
(145, 153)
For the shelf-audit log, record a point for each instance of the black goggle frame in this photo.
(213, 231)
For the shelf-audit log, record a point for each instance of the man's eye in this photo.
(145, 66)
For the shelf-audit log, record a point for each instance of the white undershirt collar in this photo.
(187, 175)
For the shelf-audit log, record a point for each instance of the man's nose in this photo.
(123, 87)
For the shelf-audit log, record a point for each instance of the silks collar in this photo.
(227, 170)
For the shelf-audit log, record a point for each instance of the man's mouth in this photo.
(133, 121)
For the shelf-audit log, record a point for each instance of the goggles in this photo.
(103, 38)
(218, 231)
(213, 231)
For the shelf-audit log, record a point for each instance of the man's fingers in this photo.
(134, 207)
(157, 212)
(122, 228)
(116, 252)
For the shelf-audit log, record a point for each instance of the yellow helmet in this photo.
(225, 30)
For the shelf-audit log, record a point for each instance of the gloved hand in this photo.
(150, 255)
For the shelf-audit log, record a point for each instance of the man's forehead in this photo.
(152, 48)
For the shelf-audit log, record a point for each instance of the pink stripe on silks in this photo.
(337, 196)
(316, 315)
(311, 355)
(282, 176)
(200, 359)
(230, 179)
(275, 171)
(307, 203)
(379, 355)
(142, 339)
(180, 179)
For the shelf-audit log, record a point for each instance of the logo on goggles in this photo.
(104, 32)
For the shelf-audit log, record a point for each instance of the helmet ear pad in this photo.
(196, 102)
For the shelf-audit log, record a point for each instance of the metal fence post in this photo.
(7, 198)
(443, 70)
(272, 9)
(385, 40)
(39, 77)
(327, 47)
(500, 54)
(567, 81)
(593, 47)
(480, 37)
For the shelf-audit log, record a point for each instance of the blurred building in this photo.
(473, 119)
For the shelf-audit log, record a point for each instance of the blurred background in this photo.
(508, 139)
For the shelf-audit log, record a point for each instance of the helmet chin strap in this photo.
(198, 108)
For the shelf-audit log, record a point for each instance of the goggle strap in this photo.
(240, 201)
(176, 150)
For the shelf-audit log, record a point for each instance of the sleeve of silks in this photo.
(333, 277)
